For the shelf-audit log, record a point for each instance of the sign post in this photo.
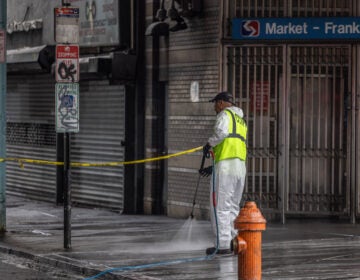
(67, 94)
(2, 114)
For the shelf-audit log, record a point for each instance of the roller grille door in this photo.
(31, 134)
(102, 130)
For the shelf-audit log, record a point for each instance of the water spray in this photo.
(177, 261)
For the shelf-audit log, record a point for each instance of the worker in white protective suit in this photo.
(228, 143)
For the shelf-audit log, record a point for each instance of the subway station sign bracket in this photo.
(323, 28)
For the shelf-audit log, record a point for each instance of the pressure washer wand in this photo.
(197, 187)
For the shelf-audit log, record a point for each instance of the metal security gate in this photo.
(102, 132)
(319, 78)
(303, 149)
(294, 100)
(31, 134)
(254, 79)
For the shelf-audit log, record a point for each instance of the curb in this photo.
(79, 270)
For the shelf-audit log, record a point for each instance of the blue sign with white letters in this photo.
(326, 28)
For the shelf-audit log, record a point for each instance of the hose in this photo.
(176, 261)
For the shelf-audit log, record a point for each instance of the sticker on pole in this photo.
(67, 64)
(67, 25)
(67, 107)
(2, 46)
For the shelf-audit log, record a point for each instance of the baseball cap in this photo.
(225, 96)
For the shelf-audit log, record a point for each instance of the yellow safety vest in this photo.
(234, 145)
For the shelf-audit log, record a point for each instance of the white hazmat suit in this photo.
(229, 183)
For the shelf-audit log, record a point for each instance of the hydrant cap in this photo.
(250, 217)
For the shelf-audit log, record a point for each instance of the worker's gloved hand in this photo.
(206, 172)
(206, 150)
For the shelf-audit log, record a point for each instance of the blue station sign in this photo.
(326, 28)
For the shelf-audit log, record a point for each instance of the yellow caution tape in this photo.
(21, 161)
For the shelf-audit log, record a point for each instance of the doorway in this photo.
(318, 125)
(296, 104)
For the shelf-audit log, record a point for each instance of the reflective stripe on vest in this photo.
(234, 145)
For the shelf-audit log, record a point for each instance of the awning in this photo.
(120, 65)
(26, 59)
(24, 55)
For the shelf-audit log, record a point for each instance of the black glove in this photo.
(206, 150)
(206, 172)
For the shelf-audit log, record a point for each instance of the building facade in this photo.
(299, 96)
(31, 102)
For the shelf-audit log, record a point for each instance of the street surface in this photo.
(15, 268)
(302, 249)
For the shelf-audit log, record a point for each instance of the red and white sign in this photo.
(2, 46)
(67, 25)
(259, 94)
(67, 64)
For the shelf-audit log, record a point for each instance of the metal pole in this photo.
(353, 141)
(3, 121)
(67, 192)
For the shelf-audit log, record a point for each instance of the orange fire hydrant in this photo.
(247, 244)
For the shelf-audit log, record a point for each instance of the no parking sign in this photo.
(67, 64)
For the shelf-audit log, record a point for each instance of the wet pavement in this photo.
(16, 268)
(102, 240)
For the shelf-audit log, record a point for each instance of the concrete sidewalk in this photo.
(301, 249)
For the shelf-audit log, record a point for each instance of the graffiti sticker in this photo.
(67, 107)
(67, 64)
